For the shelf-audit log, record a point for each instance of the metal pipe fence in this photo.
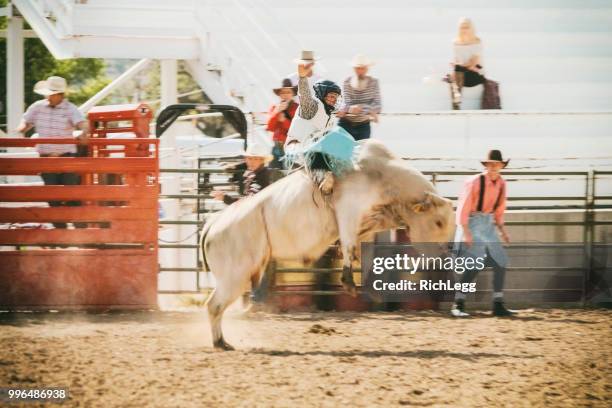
(588, 205)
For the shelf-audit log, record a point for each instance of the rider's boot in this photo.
(327, 185)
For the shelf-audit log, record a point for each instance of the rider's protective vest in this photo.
(302, 129)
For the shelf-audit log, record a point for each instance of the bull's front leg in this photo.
(355, 198)
(348, 229)
(348, 256)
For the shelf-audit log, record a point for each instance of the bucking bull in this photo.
(290, 219)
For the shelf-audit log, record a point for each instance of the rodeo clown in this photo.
(313, 139)
(480, 212)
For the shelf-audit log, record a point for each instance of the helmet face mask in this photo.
(323, 88)
(336, 103)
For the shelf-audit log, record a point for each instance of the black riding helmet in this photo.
(322, 88)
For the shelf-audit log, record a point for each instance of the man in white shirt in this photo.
(55, 117)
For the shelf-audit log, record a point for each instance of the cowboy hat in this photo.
(307, 57)
(259, 150)
(285, 84)
(53, 85)
(495, 156)
(361, 60)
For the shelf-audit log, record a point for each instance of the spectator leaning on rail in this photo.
(55, 117)
(467, 64)
(257, 174)
(480, 210)
(280, 117)
(361, 95)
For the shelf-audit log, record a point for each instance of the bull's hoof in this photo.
(375, 297)
(350, 288)
(222, 345)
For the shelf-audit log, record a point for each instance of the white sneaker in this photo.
(458, 309)
(458, 313)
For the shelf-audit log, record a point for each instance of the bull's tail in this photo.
(205, 230)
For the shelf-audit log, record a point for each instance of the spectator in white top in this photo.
(467, 64)
(55, 117)
(308, 59)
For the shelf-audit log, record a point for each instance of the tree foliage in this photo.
(85, 76)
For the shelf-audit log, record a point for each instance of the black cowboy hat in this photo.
(285, 84)
(495, 156)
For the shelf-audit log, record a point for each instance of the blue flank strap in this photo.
(337, 148)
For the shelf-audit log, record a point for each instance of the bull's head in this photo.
(431, 219)
(407, 197)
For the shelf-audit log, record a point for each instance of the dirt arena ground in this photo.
(164, 359)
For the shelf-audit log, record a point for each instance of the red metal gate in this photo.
(110, 258)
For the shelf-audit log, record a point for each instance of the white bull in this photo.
(290, 219)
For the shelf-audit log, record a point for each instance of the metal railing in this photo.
(589, 204)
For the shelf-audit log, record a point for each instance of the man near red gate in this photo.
(480, 216)
(55, 117)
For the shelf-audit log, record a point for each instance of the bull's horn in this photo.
(431, 199)
(435, 199)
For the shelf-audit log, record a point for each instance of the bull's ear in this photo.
(421, 206)
(418, 207)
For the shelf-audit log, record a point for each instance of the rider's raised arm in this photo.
(308, 105)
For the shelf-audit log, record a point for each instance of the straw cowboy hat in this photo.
(307, 57)
(53, 85)
(361, 60)
(495, 156)
(286, 84)
(259, 150)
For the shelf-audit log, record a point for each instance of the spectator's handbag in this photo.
(490, 96)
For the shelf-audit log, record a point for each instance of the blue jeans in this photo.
(499, 274)
(67, 179)
(359, 131)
